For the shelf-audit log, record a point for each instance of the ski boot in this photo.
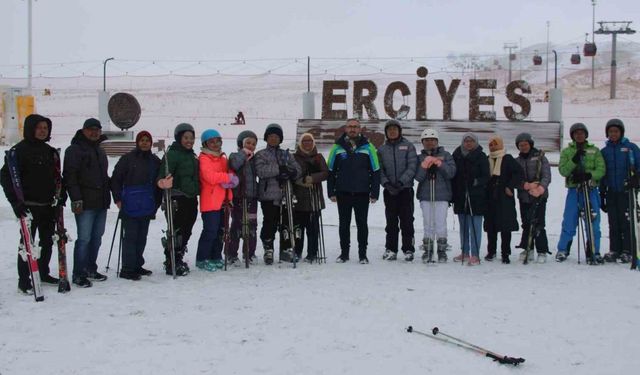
(610, 257)
(268, 251)
(624, 258)
(442, 250)
(427, 247)
(286, 255)
(561, 256)
(408, 256)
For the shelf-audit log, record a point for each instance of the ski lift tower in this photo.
(614, 28)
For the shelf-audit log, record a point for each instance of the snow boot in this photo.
(610, 257)
(427, 244)
(624, 258)
(286, 255)
(490, 257)
(389, 255)
(364, 260)
(561, 256)
(24, 287)
(442, 250)
(542, 258)
(408, 256)
(523, 254)
(268, 251)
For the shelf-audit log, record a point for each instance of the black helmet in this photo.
(245, 134)
(180, 129)
(392, 123)
(578, 126)
(524, 137)
(273, 129)
(614, 122)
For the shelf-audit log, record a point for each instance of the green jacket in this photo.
(593, 163)
(183, 166)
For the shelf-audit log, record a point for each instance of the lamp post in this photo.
(30, 45)
(546, 79)
(593, 40)
(104, 73)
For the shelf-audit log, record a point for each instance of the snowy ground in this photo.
(325, 319)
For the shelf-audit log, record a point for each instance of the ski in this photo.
(289, 200)
(227, 206)
(634, 214)
(26, 249)
(533, 211)
(168, 241)
(246, 233)
(60, 237)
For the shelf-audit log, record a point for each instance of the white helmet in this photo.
(429, 133)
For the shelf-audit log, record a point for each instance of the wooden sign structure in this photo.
(483, 123)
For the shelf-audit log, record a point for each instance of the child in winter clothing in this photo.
(622, 158)
(398, 163)
(137, 197)
(274, 166)
(436, 169)
(470, 196)
(533, 195)
(501, 216)
(308, 191)
(181, 175)
(215, 190)
(244, 166)
(581, 164)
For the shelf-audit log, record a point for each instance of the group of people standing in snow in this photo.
(483, 189)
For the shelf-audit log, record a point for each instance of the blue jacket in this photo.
(619, 158)
(353, 169)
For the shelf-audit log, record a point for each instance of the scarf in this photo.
(495, 157)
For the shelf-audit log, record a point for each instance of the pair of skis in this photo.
(28, 251)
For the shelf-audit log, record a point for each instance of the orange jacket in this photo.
(213, 173)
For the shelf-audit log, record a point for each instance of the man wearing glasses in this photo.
(354, 182)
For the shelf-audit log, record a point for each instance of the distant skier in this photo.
(580, 162)
(138, 198)
(533, 195)
(470, 196)
(240, 119)
(37, 174)
(398, 163)
(243, 163)
(354, 183)
(622, 158)
(183, 180)
(216, 182)
(308, 191)
(436, 169)
(274, 166)
(501, 217)
(87, 182)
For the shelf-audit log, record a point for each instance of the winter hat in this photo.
(429, 133)
(469, 135)
(390, 123)
(578, 126)
(273, 129)
(29, 129)
(497, 139)
(209, 134)
(306, 135)
(143, 133)
(180, 129)
(243, 135)
(91, 123)
(524, 137)
(614, 122)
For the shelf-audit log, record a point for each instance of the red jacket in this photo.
(213, 173)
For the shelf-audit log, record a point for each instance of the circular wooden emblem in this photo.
(124, 110)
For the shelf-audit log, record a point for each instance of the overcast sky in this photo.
(81, 30)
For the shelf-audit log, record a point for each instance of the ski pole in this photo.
(119, 252)
(502, 359)
(113, 239)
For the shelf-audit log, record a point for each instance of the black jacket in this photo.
(501, 214)
(353, 170)
(472, 176)
(36, 163)
(85, 173)
(136, 167)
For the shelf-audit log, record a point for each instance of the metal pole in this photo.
(613, 66)
(104, 74)
(520, 62)
(30, 45)
(593, 40)
(546, 79)
(555, 70)
(308, 73)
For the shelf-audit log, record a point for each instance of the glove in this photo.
(578, 156)
(603, 202)
(286, 173)
(308, 180)
(391, 188)
(233, 182)
(634, 181)
(19, 209)
(580, 177)
(76, 207)
(433, 169)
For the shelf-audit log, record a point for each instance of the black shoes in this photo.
(143, 272)
(82, 282)
(96, 276)
(128, 275)
(490, 257)
(49, 279)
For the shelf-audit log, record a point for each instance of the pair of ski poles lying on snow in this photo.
(436, 335)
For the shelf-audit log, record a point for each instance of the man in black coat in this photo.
(38, 174)
(87, 182)
(354, 182)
